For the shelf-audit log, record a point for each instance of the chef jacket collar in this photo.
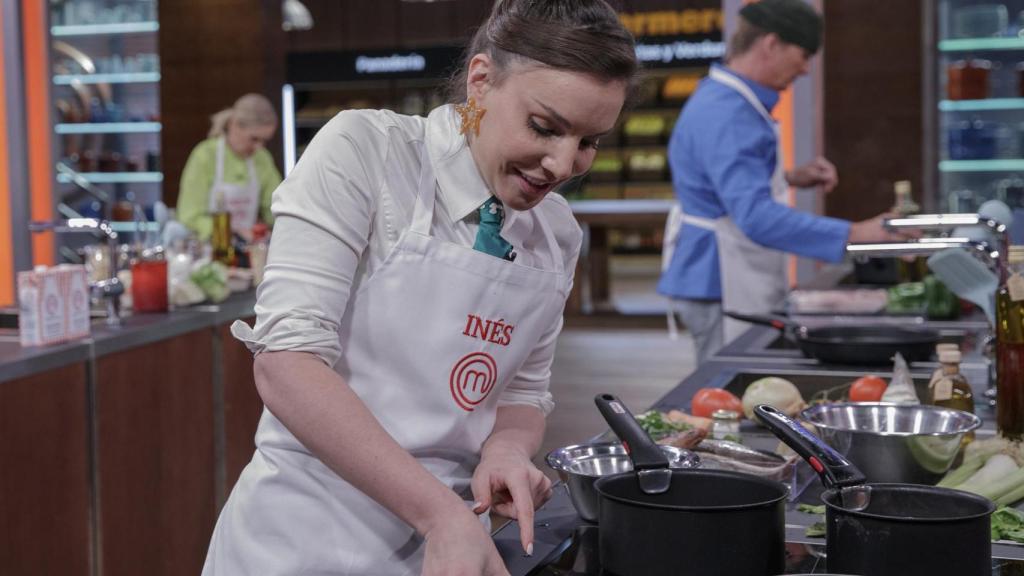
(461, 186)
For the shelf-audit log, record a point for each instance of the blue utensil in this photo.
(968, 278)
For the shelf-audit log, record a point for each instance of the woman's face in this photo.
(246, 140)
(541, 127)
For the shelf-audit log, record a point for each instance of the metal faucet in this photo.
(995, 256)
(949, 221)
(110, 289)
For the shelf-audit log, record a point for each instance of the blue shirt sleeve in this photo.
(739, 172)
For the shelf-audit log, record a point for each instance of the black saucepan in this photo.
(872, 345)
(657, 521)
(890, 529)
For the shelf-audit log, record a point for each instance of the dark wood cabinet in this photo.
(155, 456)
(242, 405)
(44, 475)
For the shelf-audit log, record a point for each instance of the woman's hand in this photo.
(508, 482)
(460, 546)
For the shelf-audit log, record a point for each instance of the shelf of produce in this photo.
(981, 105)
(973, 44)
(104, 29)
(108, 128)
(116, 177)
(116, 78)
(621, 211)
(994, 165)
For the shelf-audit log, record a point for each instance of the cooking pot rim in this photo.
(831, 494)
(601, 482)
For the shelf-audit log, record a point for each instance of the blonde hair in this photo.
(249, 110)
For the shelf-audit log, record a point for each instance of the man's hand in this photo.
(819, 172)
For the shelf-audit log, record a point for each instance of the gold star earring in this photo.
(470, 115)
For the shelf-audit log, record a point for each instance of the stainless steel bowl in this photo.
(580, 465)
(908, 443)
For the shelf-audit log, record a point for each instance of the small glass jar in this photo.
(725, 425)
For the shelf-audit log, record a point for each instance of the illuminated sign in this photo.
(677, 38)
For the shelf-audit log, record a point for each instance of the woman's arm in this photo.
(194, 192)
(320, 409)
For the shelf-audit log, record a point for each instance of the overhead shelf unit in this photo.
(978, 80)
(106, 97)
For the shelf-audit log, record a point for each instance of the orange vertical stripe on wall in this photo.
(783, 113)
(6, 233)
(37, 123)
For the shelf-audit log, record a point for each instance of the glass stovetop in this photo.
(579, 557)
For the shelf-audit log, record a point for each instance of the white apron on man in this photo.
(242, 201)
(753, 277)
(429, 342)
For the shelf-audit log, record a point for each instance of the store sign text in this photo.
(680, 51)
(392, 64)
(674, 22)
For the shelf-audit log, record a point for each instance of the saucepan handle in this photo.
(777, 322)
(832, 467)
(646, 455)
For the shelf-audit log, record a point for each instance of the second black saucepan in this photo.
(890, 529)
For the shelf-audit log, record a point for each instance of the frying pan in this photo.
(890, 529)
(871, 345)
(657, 521)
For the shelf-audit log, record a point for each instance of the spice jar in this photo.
(967, 79)
(725, 425)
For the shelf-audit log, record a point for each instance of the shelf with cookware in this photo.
(105, 67)
(980, 104)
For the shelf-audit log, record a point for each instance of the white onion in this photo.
(774, 391)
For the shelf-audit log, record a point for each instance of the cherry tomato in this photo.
(707, 400)
(867, 389)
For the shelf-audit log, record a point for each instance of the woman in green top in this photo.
(231, 170)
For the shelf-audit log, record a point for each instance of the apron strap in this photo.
(218, 175)
(744, 90)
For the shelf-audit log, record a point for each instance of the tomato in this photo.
(867, 389)
(707, 400)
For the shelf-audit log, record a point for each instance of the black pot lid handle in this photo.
(832, 467)
(646, 455)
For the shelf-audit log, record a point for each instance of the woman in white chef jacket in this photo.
(404, 367)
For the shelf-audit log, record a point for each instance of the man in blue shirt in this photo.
(727, 173)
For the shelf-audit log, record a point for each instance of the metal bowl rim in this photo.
(562, 464)
(809, 413)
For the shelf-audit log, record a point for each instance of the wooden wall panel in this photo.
(154, 413)
(211, 53)
(872, 96)
(44, 475)
(242, 404)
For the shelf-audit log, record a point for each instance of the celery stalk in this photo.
(965, 471)
(1004, 485)
(1010, 497)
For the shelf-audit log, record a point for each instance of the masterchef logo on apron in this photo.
(472, 379)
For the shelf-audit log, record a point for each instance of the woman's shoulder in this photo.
(375, 124)
(207, 147)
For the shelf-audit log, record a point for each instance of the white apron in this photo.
(753, 277)
(429, 342)
(241, 200)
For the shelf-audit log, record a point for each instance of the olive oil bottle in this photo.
(1010, 349)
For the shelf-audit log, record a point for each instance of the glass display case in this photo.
(979, 101)
(106, 97)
